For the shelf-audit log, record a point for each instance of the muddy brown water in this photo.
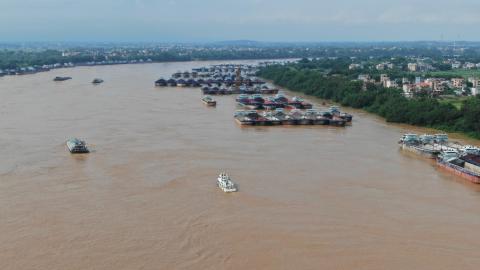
(145, 198)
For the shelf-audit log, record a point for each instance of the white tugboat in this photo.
(225, 183)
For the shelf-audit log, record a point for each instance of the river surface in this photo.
(145, 198)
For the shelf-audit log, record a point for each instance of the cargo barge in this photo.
(467, 167)
(463, 161)
(424, 145)
(161, 82)
(281, 117)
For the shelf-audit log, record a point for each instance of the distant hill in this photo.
(238, 43)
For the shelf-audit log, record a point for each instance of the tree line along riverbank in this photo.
(386, 102)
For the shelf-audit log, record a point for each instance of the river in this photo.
(145, 198)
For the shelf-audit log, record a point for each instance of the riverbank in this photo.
(387, 103)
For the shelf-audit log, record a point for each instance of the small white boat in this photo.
(225, 183)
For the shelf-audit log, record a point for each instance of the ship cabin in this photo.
(334, 109)
(242, 98)
(441, 138)
(257, 98)
(280, 98)
(161, 82)
(410, 138)
(427, 139)
(182, 83)
(172, 82)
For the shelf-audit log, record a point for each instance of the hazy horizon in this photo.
(259, 20)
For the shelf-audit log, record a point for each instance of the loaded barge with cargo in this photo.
(281, 117)
(466, 166)
(458, 159)
(424, 145)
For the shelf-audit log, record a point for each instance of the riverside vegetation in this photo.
(327, 79)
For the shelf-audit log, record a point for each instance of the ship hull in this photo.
(244, 123)
(322, 122)
(290, 122)
(337, 123)
(306, 122)
(421, 151)
(459, 171)
(210, 103)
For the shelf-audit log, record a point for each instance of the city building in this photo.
(458, 82)
(355, 66)
(412, 67)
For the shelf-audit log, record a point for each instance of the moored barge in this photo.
(467, 167)
(419, 145)
(161, 82)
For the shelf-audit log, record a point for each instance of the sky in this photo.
(220, 20)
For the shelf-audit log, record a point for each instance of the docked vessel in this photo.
(280, 98)
(441, 138)
(299, 103)
(420, 145)
(273, 120)
(225, 183)
(182, 83)
(161, 82)
(271, 104)
(97, 81)
(466, 166)
(61, 79)
(427, 139)
(337, 121)
(246, 118)
(209, 101)
(293, 117)
(335, 111)
(469, 149)
(171, 82)
(280, 114)
(321, 119)
(309, 117)
(242, 99)
(76, 146)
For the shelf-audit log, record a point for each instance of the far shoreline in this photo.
(140, 63)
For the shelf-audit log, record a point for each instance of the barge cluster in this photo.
(260, 104)
(281, 116)
(220, 80)
(461, 160)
